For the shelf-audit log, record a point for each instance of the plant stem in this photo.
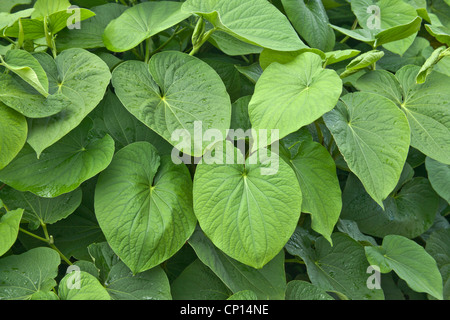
(168, 40)
(49, 240)
(294, 261)
(319, 133)
(205, 37)
(2, 186)
(49, 38)
(355, 24)
(147, 49)
(33, 235)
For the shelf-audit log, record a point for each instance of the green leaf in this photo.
(290, 96)
(149, 285)
(248, 209)
(409, 211)
(333, 57)
(244, 295)
(231, 45)
(9, 229)
(141, 22)
(438, 247)
(302, 290)
(90, 35)
(28, 68)
(63, 167)
(40, 266)
(311, 22)
(147, 206)
(316, 174)
(252, 72)
(44, 8)
(239, 117)
(13, 134)
(339, 268)
(411, 263)
(104, 259)
(267, 283)
(174, 93)
(71, 74)
(59, 20)
(373, 136)
(364, 60)
(256, 22)
(268, 56)
(425, 105)
(439, 176)
(198, 282)
(8, 19)
(427, 67)
(80, 285)
(8, 5)
(351, 228)
(42, 210)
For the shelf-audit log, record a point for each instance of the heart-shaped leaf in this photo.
(147, 207)
(80, 285)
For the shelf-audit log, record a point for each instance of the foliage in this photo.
(121, 179)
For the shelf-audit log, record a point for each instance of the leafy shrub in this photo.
(224, 149)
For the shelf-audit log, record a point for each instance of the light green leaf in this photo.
(44, 8)
(425, 105)
(198, 282)
(333, 57)
(411, 263)
(244, 295)
(439, 176)
(409, 211)
(427, 67)
(302, 290)
(373, 136)
(364, 60)
(316, 174)
(80, 285)
(267, 283)
(71, 74)
(248, 209)
(90, 35)
(239, 117)
(147, 207)
(311, 22)
(231, 45)
(59, 20)
(8, 5)
(256, 22)
(290, 96)
(283, 57)
(40, 266)
(252, 72)
(142, 22)
(13, 134)
(177, 91)
(28, 68)
(339, 268)
(9, 229)
(8, 19)
(42, 210)
(149, 285)
(63, 167)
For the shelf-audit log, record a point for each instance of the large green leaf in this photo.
(438, 246)
(28, 68)
(290, 96)
(174, 95)
(42, 210)
(8, 5)
(244, 295)
(373, 136)
(267, 283)
(141, 22)
(408, 211)
(63, 167)
(144, 202)
(425, 105)
(90, 35)
(198, 282)
(411, 263)
(248, 209)
(311, 22)
(439, 176)
(13, 134)
(80, 285)
(30, 273)
(256, 22)
(340, 268)
(44, 8)
(316, 174)
(9, 229)
(71, 74)
(302, 290)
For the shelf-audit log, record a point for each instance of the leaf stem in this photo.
(295, 261)
(355, 24)
(147, 49)
(319, 133)
(176, 32)
(33, 235)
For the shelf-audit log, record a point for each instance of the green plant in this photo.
(118, 182)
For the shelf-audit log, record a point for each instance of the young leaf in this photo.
(373, 136)
(411, 263)
(147, 206)
(256, 22)
(44, 8)
(141, 22)
(365, 60)
(427, 67)
(247, 214)
(290, 96)
(63, 167)
(9, 229)
(40, 266)
(13, 134)
(173, 93)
